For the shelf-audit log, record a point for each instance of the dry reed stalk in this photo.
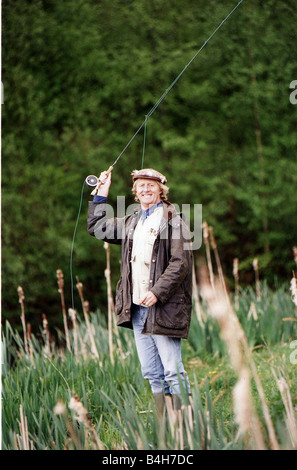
(287, 400)
(23, 440)
(60, 278)
(189, 427)
(244, 345)
(85, 307)
(249, 359)
(30, 347)
(46, 332)
(219, 395)
(232, 334)
(218, 261)
(202, 432)
(198, 309)
(23, 318)
(248, 354)
(112, 321)
(170, 412)
(60, 409)
(256, 270)
(178, 421)
(190, 409)
(109, 300)
(253, 312)
(208, 255)
(72, 315)
(82, 416)
(208, 434)
(293, 289)
(139, 443)
(242, 399)
(187, 420)
(236, 279)
(180, 429)
(270, 428)
(82, 343)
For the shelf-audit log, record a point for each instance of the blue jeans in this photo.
(160, 357)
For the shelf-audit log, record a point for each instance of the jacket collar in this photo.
(168, 211)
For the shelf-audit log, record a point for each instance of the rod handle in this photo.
(94, 192)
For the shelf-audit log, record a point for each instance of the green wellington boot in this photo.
(160, 405)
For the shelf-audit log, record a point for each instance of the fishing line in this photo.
(71, 278)
(72, 245)
(143, 147)
(153, 109)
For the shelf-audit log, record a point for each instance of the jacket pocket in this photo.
(174, 314)
(119, 298)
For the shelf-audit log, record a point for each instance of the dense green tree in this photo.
(79, 77)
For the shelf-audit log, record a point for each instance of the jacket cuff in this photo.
(99, 199)
(158, 294)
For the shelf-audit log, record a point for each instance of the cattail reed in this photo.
(72, 316)
(60, 410)
(256, 269)
(22, 441)
(198, 308)
(82, 416)
(23, 318)
(293, 289)
(30, 346)
(180, 429)
(245, 415)
(112, 324)
(234, 337)
(241, 356)
(61, 291)
(189, 424)
(109, 300)
(85, 307)
(290, 414)
(253, 312)
(218, 261)
(76, 334)
(170, 412)
(208, 255)
(236, 279)
(46, 333)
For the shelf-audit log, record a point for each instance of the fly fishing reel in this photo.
(92, 181)
(95, 182)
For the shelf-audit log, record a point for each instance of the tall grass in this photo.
(86, 391)
(41, 378)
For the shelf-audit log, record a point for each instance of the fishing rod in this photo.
(95, 182)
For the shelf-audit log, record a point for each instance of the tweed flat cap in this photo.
(149, 173)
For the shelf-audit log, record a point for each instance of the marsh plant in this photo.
(84, 390)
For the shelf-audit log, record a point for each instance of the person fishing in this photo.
(154, 293)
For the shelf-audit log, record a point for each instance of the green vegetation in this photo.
(80, 76)
(119, 401)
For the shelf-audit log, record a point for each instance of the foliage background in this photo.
(79, 77)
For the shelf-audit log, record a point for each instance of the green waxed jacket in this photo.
(170, 269)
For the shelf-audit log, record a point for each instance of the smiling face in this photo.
(148, 192)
